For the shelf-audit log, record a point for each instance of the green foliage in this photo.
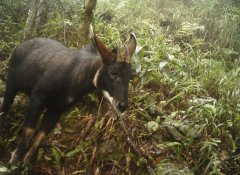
(222, 22)
(185, 63)
(185, 97)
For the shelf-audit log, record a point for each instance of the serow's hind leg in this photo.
(49, 121)
(29, 125)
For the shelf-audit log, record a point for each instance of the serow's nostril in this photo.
(122, 106)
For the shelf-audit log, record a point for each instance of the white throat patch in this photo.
(108, 96)
(112, 101)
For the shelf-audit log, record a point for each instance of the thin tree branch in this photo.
(60, 6)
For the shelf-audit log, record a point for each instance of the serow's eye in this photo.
(113, 73)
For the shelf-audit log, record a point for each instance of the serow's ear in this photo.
(106, 55)
(130, 48)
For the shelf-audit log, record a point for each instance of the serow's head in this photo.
(115, 73)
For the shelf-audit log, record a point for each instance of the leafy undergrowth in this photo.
(184, 115)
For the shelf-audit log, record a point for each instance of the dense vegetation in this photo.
(184, 112)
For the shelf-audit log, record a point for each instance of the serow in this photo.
(56, 77)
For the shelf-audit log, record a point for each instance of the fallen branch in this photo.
(132, 144)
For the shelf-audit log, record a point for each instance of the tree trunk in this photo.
(86, 21)
(60, 6)
(31, 20)
(41, 15)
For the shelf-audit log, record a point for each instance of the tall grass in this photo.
(199, 87)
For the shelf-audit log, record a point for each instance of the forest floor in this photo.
(184, 100)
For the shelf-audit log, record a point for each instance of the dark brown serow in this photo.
(56, 77)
